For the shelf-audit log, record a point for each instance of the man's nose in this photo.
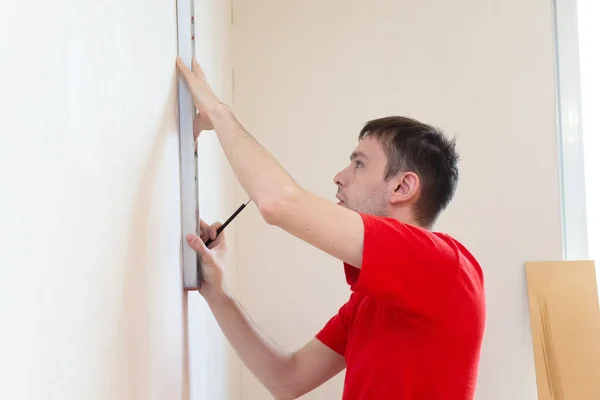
(338, 179)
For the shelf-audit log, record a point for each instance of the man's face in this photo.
(361, 185)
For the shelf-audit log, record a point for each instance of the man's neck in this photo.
(405, 216)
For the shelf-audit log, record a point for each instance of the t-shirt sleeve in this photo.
(406, 266)
(335, 332)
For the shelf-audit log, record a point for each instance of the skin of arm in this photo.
(286, 375)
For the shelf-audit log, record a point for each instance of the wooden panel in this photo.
(565, 322)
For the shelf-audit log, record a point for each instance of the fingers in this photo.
(185, 71)
(210, 232)
(213, 237)
(198, 245)
(196, 71)
(203, 225)
(204, 229)
(213, 232)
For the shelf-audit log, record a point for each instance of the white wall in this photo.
(587, 15)
(90, 283)
(213, 363)
(309, 74)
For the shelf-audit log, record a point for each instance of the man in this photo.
(413, 326)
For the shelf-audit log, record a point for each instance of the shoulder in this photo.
(464, 253)
(413, 241)
(386, 226)
(469, 269)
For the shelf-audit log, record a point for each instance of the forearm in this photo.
(263, 178)
(270, 364)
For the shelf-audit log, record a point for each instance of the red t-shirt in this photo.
(413, 326)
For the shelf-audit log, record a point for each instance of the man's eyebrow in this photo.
(358, 154)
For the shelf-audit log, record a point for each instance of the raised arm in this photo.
(281, 201)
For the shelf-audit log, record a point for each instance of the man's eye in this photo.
(358, 164)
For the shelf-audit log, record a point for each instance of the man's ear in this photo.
(405, 187)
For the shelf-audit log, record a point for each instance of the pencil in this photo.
(240, 208)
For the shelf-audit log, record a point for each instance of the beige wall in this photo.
(308, 74)
(91, 302)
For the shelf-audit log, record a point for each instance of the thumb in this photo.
(198, 245)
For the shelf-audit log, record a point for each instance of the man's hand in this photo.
(213, 259)
(204, 98)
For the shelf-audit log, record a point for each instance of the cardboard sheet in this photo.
(565, 322)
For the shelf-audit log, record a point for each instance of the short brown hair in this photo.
(411, 145)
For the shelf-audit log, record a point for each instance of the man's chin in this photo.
(342, 204)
